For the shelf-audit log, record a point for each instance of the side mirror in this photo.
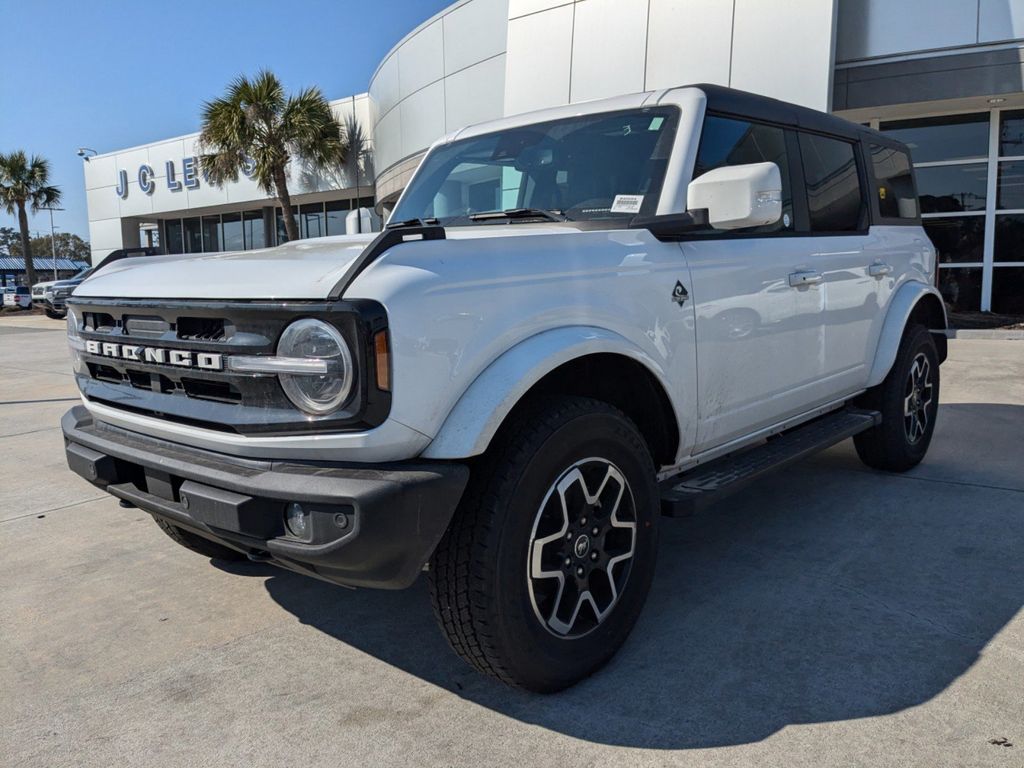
(737, 196)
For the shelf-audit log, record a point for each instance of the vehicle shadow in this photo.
(827, 592)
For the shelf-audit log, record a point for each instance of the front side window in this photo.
(607, 167)
(725, 141)
(834, 199)
(897, 198)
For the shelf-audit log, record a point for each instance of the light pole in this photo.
(53, 239)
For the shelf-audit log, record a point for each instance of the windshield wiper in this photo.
(519, 213)
(412, 223)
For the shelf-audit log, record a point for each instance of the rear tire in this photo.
(547, 563)
(198, 544)
(908, 400)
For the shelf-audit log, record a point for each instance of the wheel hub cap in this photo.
(917, 398)
(581, 548)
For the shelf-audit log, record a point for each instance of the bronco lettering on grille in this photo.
(208, 361)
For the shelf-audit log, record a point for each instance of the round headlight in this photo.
(316, 393)
(72, 322)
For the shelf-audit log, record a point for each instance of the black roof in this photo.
(741, 103)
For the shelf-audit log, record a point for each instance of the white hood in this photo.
(304, 269)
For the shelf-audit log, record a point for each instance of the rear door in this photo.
(839, 243)
(760, 334)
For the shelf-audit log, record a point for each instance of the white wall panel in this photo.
(679, 51)
(100, 171)
(474, 32)
(1000, 20)
(517, 8)
(105, 235)
(539, 57)
(103, 203)
(388, 136)
(783, 49)
(609, 42)
(869, 28)
(475, 94)
(384, 86)
(423, 118)
(421, 59)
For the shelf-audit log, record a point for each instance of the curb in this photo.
(984, 333)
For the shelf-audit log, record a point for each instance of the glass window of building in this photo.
(211, 234)
(1008, 246)
(957, 239)
(335, 213)
(834, 199)
(1011, 134)
(255, 234)
(950, 155)
(311, 220)
(193, 235)
(231, 228)
(173, 236)
(933, 139)
(282, 233)
(953, 188)
(961, 288)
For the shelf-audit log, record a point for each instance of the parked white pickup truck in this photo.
(578, 320)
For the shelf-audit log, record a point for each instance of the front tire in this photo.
(908, 400)
(547, 563)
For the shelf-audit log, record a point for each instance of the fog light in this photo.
(297, 520)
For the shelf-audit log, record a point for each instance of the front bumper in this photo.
(373, 525)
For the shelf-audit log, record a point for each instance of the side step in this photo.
(693, 490)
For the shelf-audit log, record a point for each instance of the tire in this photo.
(519, 533)
(54, 315)
(901, 441)
(198, 544)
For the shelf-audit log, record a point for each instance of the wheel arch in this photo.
(586, 361)
(914, 302)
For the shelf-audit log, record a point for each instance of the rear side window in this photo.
(897, 198)
(834, 199)
(725, 141)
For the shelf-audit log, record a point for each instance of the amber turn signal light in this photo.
(383, 359)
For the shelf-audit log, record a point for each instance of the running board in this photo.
(688, 493)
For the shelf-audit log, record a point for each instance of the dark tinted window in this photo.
(942, 138)
(1011, 134)
(834, 199)
(953, 188)
(172, 228)
(725, 141)
(957, 238)
(896, 196)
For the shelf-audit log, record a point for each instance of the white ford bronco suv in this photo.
(577, 320)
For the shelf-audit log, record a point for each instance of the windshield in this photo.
(607, 167)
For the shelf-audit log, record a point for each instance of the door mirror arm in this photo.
(670, 227)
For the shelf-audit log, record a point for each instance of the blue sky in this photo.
(113, 74)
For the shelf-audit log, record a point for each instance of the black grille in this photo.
(222, 399)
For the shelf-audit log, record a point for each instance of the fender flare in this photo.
(900, 308)
(480, 411)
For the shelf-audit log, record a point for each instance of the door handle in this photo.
(879, 269)
(805, 277)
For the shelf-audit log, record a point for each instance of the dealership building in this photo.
(944, 76)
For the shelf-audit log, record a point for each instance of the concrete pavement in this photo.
(828, 616)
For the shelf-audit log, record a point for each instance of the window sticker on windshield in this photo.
(656, 124)
(627, 203)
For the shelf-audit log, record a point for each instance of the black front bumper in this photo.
(372, 525)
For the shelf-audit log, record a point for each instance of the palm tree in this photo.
(24, 182)
(255, 126)
(359, 157)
